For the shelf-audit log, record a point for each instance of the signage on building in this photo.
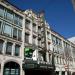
(28, 52)
(30, 64)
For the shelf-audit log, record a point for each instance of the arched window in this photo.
(11, 68)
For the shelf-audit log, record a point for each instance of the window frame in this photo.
(1, 46)
(18, 46)
(1, 27)
(7, 12)
(26, 41)
(8, 51)
(2, 13)
(16, 34)
(19, 36)
(4, 32)
(27, 24)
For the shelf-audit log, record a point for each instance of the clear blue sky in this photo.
(59, 13)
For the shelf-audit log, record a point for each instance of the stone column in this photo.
(2, 68)
(13, 49)
(60, 72)
(4, 46)
(65, 72)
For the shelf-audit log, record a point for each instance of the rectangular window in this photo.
(27, 24)
(57, 60)
(57, 72)
(26, 38)
(7, 30)
(34, 27)
(17, 50)
(16, 19)
(0, 27)
(39, 43)
(9, 48)
(15, 33)
(1, 11)
(58, 42)
(20, 21)
(9, 16)
(48, 46)
(53, 39)
(48, 35)
(39, 30)
(1, 46)
(34, 40)
(19, 35)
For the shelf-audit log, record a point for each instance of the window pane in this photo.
(15, 33)
(12, 72)
(34, 27)
(17, 49)
(27, 38)
(0, 27)
(27, 24)
(7, 30)
(19, 35)
(16, 19)
(34, 40)
(20, 21)
(9, 16)
(1, 11)
(7, 71)
(9, 48)
(1, 46)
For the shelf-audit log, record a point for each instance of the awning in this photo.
(35, 65)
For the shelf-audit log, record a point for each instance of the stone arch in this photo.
(11, 60)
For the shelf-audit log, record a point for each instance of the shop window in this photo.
(57, 73)
(63, 72)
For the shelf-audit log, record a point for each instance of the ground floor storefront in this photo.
(38, 72)
(33, 68)
(63, 73)
(10, 66)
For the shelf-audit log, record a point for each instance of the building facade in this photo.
(28, 45)
(11, 39)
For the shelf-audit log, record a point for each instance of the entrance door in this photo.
(11, 68)
(38, 72)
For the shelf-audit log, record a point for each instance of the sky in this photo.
(58, 13)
